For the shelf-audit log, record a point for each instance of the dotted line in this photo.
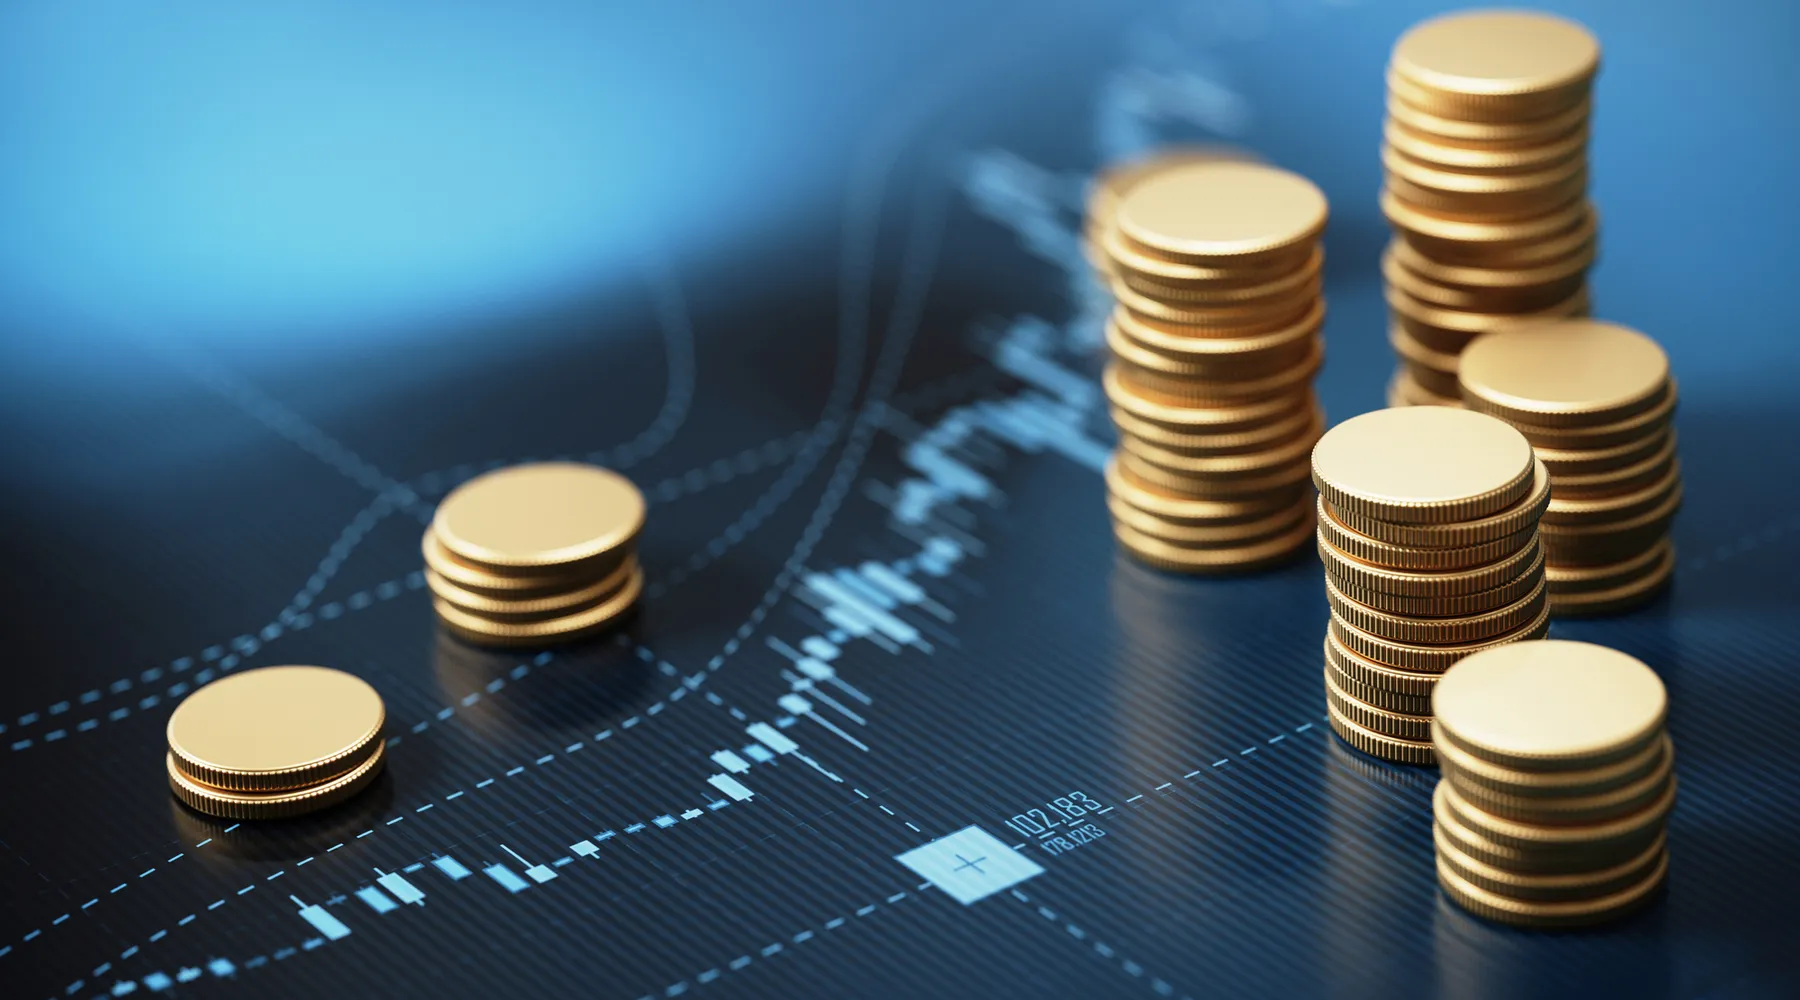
(1136, 971)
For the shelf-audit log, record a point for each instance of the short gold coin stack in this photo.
(1485, 160)
(535, 554)
(275, 742)
(1558, 780)
(1596, 401)
(1427, 526)
(1215, 340)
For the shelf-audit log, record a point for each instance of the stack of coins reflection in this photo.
(1596, 400)
(1485, 161)
(1215, 341)
(1558, 783)
(275, 742)
(1427, 526)
(535, 554)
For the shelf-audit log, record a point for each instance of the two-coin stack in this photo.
(1427, 526)
(1485, 160)
(1215, 267)
(1558, 783)
(535, 554)
(275, 742)
(1596, 400)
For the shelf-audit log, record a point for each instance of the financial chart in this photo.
(895, 717)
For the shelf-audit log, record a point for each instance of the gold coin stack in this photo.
(1596, 401)
(275, 742)
(1215, 267)
(535, 554)
(1485, 162)
(1558, 780)
(1427, 526)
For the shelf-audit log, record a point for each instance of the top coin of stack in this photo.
(1110, 186)
(1485, 160)
(535, 554)
(1427, 528)
(1215, 342)
(1596, 401)
(1558, 782)
(275, 742)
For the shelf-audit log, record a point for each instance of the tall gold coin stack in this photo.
(1215, 267)
(275, 742)
(535, 554)
(1485, 160)
(1427, 526)
(1596, 401)
(1558, 780)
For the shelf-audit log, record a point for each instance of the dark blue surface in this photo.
(231, 393)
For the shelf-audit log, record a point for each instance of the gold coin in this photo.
(1535, 858)
(1478, 322)
(1419, 356)
(1519, 517)
(1173, 385)
(528, 517)
(273, 805)
(1462, 154)
(1447, 606)
(1636, 427)
(1423, 465)
(1575, 253)
(1279, 481)
(1578, 462)
(1393, 701)
(1376, 744)
(1129, 258)
(483, 632)
(1572, 603)
(1385, 722)
(1183, 342)
(1222, 211)
(501, 609)
(1111, 184)
(516, 586)
(1617, 507)
(1495, 63)
(1435, 381)
(1577, 579)
(1599, 838)
(1529, 913)
(1205, 535)
(1549, 888)
(1570, 372)
(1221, 359)
(1151, 499)
(1480, 301)
(1409, 558)
(1238, 465)
(1301, 282)
(276, 728)
(1425, 583)
(1519, 132)
(1551, 705)
(1538, 250)
(1428, 658)
(1595, 545)
(1404, 390)
(1219, 559)
(1401, 682)
(1184, 442)
(1563, 810)
(1477, 191)
(1197, 418)
(1434, 631)
(1422, 223)
(1233, 319)
(1631, 478)
(1477, 777)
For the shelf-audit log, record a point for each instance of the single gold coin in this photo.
(1455, 154)
(1522, 516)
(1428, 658)
(1616, 508)
(1536, 858)
(1222, 211)
(1579, 462)
(1423, 465)
(276, 728)
(1229, 320)
(1205, 535)
(1539, 250)
(1567, 372)
(1596, 545)
(1386, 722)
(1606, 576)
(1639, 475)
(1111, 183)
(1393, 701)
(1636, 427)
(521, 610)
(1434, 631)
(1499, 133)
(1218, 559)
(1483, 300)
(1199, 418)
(1301, 282)
(1448, 606)
(1549, 888)
(1565, 603)
(1599, 838)
(1237, 465)
(1126, 257)
(1563, 810)
(1499, 61)
(485, 632)
(1376, 744)
(528, 517)
(1182, 342)
(1225, 361)
(1530, 913)
(1167, 506)
(1421, 223)
(241, 805)
(1204, 442)
(1426, 583)
(1276, 481)
(1552, 705)
(1414, 559)
(1464, 321)
(511, 586)
(1162, 380)
(1476, 777)
(1372, 674)
(1579, 251)
(1472, 190)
